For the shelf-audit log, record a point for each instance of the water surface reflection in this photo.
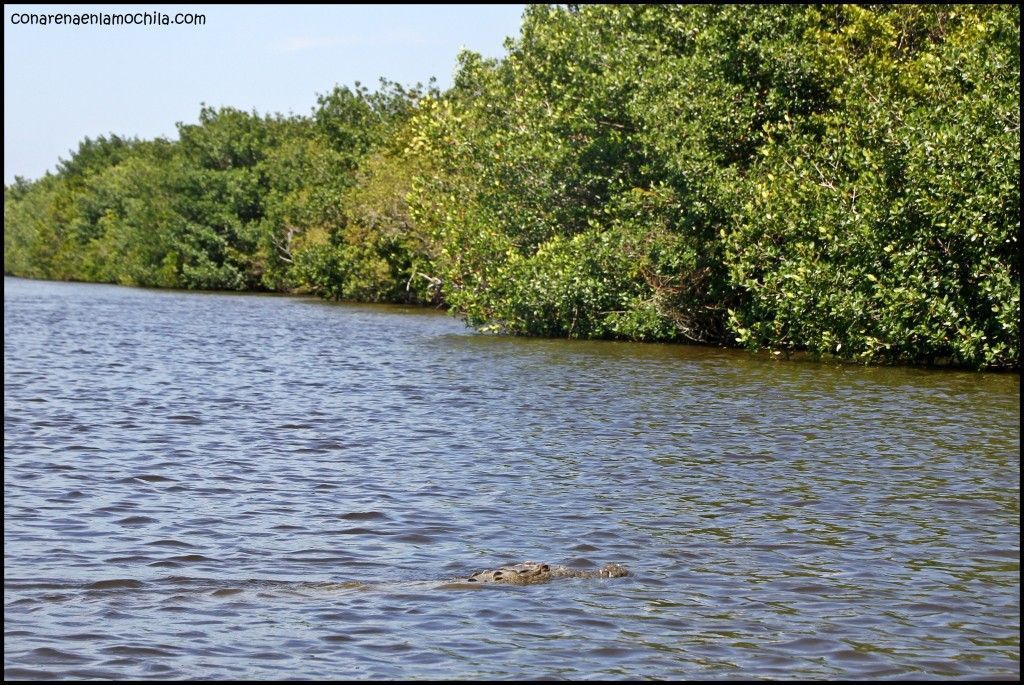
(236, 486)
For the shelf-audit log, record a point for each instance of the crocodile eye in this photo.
(497, 575)
(545, 568)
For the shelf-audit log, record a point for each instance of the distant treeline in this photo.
(838, 179)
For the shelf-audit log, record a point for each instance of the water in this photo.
(238, 486)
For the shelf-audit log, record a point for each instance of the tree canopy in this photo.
(838, 179)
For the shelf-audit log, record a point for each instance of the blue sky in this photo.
(62, 83)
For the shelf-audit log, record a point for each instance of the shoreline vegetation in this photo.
(837, 181)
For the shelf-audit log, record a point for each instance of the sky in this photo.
(63, 83)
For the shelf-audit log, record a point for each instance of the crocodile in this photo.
(530, 572)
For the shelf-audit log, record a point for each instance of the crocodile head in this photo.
(518, 574)
(613, 571)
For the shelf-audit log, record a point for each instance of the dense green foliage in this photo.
(838, 179)
(239, 201)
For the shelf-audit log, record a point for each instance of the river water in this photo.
(240, 486)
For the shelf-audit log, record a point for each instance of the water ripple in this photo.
(225, 486)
